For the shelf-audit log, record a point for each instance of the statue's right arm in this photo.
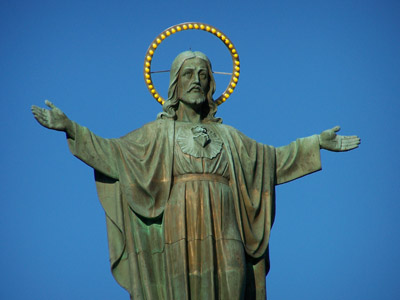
(95, 151)
(53, 118)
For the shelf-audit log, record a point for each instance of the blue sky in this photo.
(306, 66)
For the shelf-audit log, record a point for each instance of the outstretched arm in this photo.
(302, 157)
(331, 141)
(53, 118)
(99, 153)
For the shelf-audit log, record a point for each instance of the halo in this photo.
(189, 26)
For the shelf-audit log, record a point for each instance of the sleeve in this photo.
(298, 159)
(99, 153)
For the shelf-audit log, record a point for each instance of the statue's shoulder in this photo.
(158, 124)
(235, 134)
(227, 129)
(151, 129)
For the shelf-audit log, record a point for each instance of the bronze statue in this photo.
(189, 202)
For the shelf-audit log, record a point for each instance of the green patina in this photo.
(190, 202)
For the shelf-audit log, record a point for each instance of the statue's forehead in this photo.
(195, 62)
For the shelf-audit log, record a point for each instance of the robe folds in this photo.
(135, 183)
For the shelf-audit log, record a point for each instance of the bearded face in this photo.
(194, 82)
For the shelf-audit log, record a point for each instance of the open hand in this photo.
(52, 118)
(329, 140)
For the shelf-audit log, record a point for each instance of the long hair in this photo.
(171, 105)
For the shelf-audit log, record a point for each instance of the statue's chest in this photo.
(198, 140)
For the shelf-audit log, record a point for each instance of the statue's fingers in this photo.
(352, 140)
(40, 116)
(346, 146)
(36, 112)
(35, 109)
(349, 147)
(49, 104)
(39, 119)
(348, 137)
(336, 128)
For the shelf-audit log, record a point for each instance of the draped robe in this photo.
(135, 181)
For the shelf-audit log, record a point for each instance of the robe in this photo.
(159, 250)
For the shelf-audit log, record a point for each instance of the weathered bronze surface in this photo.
(189, 201)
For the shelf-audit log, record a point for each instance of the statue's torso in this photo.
(199, 217)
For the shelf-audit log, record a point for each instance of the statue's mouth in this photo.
(195, 89)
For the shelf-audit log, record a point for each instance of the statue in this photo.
(189, 202)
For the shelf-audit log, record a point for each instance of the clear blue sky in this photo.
(306, 66)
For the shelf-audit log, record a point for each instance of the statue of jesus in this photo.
(190, 202)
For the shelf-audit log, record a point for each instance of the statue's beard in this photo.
(193, 99)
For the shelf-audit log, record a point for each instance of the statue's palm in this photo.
(329, 140)
(52, 118)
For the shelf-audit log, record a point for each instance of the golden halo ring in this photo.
(190, 26)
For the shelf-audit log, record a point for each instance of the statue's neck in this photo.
(189, 113)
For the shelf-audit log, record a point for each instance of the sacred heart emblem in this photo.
(198, 141)
(200, 135)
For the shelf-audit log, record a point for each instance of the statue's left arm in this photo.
(302, 156)
(331, 141)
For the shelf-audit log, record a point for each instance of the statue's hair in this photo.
(172, 103)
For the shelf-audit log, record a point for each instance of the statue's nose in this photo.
(196, 78)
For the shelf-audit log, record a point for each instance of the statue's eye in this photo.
(203, 75)
(187, 74)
